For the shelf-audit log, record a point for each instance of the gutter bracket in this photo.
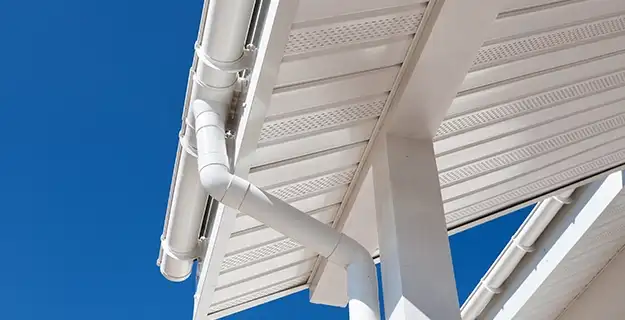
(526, 249)
(491, 289)
(186, 146)
(563, 200)
(193, 255)
(245, 62)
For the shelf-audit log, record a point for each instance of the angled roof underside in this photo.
(339, 67)
(541, 108)
(575, 248)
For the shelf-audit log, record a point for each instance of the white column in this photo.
(417, 275)
(453, 31)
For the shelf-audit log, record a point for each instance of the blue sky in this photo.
(90, 100)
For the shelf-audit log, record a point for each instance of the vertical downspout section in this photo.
(362, 282)
(238, 193)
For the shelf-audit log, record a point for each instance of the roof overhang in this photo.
(574, 250)
(537, 110)
(505, 142)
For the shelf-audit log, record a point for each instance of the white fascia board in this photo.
(555, 243)
(273, 39)
(603, 298)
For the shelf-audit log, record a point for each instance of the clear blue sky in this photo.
(90, 101)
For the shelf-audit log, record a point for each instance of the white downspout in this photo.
(244, 196)
(520, 244)
(221, 47)
(222, 39)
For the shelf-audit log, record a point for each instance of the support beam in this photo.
(417, 273)
(451, 34)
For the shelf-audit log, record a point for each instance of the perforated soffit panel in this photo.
(542, 107)
(339, 68)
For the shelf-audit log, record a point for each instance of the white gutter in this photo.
(221, 55)
(222, 39)
(521, 243)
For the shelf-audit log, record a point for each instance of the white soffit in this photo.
(541, 107)
(570, 254)
(338, 69)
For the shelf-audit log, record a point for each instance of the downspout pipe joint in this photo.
(236, 192)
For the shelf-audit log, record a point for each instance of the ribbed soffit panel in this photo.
(542, 106)
(340, 66)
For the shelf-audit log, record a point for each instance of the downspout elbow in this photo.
(213, 164)
(215, 179)
(348, 251)
(240, 194)
(223, 185)
(362, 282)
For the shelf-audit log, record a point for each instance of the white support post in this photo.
(417, 275)
(452, 32)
